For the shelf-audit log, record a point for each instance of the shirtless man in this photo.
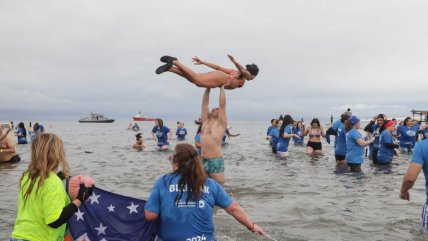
(7, 149)
(213, 125)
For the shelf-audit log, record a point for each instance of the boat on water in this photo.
(95, 118)
(140, 117)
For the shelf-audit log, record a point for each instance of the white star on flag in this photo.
(132, 208)
(103, 239)
(101, 229)
(79, 215)
(94, 198)
(84, 237)
(111, 208)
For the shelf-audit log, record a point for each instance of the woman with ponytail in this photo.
(184, 200)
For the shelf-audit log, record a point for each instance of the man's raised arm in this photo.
(222, 104)
(205, 103)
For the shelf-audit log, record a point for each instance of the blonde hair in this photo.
(47, 152)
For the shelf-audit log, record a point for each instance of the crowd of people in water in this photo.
(190, 189)
(8, 151)
(381, 140)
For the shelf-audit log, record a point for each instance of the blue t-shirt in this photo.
(135, 127)
(186, 221)
(385, 154)
(22, 136)
(335, 127)
(274, 133)
(282, 145)
(298, 141)
(161, 134)
(198, 140)
(408, 135)
(354, 152)
(420, 156)
(269, 129)
(223, 141)
(181, 134)
(340, 148)
(376, 134)
(424, 134)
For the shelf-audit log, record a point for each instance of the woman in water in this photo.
(274, 134)
(285, 134)
(340, 147)
(407, 133)
(230, 78)
(355, 144)
(21, 133)
(298, 129)
(386, 142)
(7, 149)
(184, 200)
(198, 144)
(315, 133)
(374, 130)
(43, 204)
(424, 131)
(181, 131)
(162, 134)
(139, 144)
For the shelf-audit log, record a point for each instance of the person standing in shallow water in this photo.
(162, 134)
(181, 131)
(7, 149)
(274, 135)
(315, 132)
(386, 143)
(355, 144)
(285, 134)
(229, 78)
(21, 133)
(408, 132)
(419, 162)
(213, 125)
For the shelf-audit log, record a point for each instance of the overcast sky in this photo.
(64, 59)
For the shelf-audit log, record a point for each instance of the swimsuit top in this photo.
(316, 134)
(234, 74)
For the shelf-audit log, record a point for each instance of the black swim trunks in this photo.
(12, 160)
(339, 157)
(314, 145)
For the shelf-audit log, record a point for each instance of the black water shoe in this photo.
(167, 59)
(163, 68)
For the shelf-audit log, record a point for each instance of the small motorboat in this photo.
(140, 117)
(95, 118)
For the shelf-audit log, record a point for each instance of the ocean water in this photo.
(300, 198)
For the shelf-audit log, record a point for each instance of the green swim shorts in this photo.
(214, 165)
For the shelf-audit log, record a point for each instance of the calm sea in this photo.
(301, 198)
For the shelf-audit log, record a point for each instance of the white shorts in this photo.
(425, 218)
(283, 154)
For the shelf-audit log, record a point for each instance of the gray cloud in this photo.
(315, 57)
